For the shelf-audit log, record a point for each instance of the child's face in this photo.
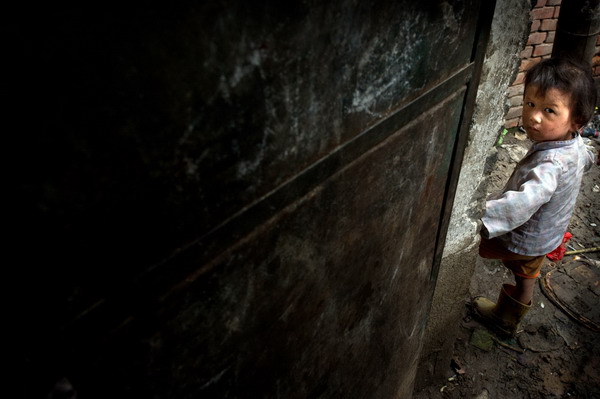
(547, 117)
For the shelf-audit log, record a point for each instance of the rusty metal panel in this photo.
(244, 199)
(160, 124)
(324, 300)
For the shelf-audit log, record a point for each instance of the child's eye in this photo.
(530, 104)
(549, 110)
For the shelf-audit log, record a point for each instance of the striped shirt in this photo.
(531, 214)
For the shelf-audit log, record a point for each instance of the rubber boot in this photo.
(506, 314)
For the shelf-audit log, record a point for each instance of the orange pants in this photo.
(521, 265)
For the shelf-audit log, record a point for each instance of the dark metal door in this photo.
(242, 199)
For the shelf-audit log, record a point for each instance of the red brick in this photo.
(537, 37)
(516, 101)
(548, 24)
(540, 3)
(542, 13)
(526, 53)
(511, 123)
(550, 38)
(547, 56)
(542, 49)
(514, 112)
(516, 90)
(553, 2)
(526, 64)
(519, 79)
(556, 12)
(535, 25)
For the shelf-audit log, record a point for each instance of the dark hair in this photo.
(571, 77)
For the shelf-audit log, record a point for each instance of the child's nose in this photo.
(536, 116)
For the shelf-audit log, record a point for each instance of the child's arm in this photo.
(592, 156)
(515, 207)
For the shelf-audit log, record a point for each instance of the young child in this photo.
(529, 217)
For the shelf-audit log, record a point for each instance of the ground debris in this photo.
(482, 339)
(509, 344)
(572, 289)
(543, 339)
(458, 368)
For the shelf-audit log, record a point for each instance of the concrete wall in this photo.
(509, 32)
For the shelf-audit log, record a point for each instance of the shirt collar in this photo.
(546, 145)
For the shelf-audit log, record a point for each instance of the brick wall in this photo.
(544, 17)
(539, 46)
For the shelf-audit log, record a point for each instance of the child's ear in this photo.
(575, 127)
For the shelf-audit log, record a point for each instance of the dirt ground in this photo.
(556, 355)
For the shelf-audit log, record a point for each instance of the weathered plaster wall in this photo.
(508, 36)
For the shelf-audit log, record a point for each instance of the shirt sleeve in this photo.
(590, 157)
(515, 207)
